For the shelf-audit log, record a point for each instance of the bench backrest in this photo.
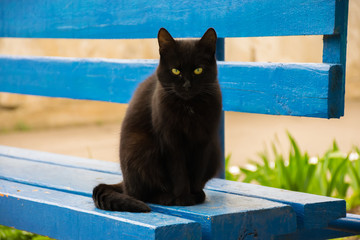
(299, 89)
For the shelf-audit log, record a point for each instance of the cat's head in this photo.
(187, 67)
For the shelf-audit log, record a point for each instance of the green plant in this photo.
(334, 174)
(354, 175)
(8, 233)
(295, 173)
(331, 174)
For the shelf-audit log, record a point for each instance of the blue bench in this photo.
(50, 194)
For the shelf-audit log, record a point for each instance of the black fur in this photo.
(169, 146)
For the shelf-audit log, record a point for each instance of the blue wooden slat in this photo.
(270, 88)
(334, 50)
(54, 176)
(67, 216)
(277, 88)
(220, 56)
(59, 159)
(92, 79)
(313, 211)
(221, 215)
(314, 234)
(143, 18)
(342, 227)
(351, 223)
(225, 216)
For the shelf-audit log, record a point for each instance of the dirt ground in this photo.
(246, 134)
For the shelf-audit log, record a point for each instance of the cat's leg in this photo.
(206, 162)
(150, 186)
(143, 170)
(179, 176)
(213, 156)
(197, 170)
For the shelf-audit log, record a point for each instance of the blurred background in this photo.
(91, 129)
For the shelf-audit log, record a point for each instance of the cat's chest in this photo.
(187, 116)
(187, 119)
(188, 110)
(180, 115)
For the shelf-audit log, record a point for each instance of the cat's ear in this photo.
(165, 39)
(208, 40)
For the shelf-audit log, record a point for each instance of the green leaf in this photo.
(284, 176)
(334, 178)
(355, 177)
(309, 177)
(335, 146)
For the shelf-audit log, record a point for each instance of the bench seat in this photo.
(51, 193)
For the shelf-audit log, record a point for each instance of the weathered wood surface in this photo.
(313, 211)
(334, 47)
(351, 223)
(271, 88)
(220, 56)
(222, 215)
(59, 159)
(68, 216)
(341, 227)
(143, 18)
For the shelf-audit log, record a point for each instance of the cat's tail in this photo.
(112, 198)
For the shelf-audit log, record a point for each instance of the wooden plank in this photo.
(334, 50)
(67, 216)
(220, 56)
(279, 88)
(350, 223)
(226, 216)
(313, 211)
(269, 88)
(314, 234)
(143, 18)
(221, 215)
(90, 79)
(59, 159)
(49, 175)
(342, 227)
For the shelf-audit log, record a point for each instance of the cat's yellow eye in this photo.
(198, 71)
(175, 71)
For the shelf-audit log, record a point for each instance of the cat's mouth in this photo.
(186, 95)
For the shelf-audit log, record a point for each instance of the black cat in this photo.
(169, 144)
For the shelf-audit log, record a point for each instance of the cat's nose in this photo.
(187, 85)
